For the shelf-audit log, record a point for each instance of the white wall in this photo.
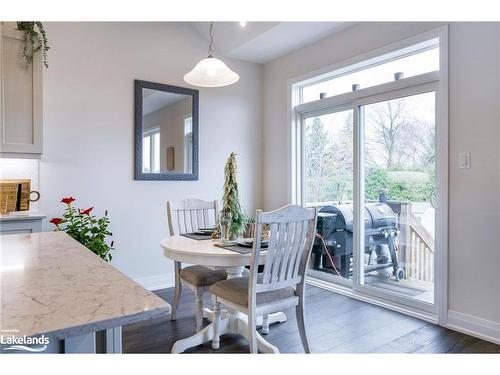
(474, 200)
(474, 205)
(89, 128)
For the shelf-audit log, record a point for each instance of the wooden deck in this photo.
(336, 324)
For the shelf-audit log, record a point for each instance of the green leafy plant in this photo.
(86, 228)
(399, 190)
(231, 199)
(35, 40)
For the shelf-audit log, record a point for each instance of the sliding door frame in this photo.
(302, 116)
(359, 189)
(429, 82)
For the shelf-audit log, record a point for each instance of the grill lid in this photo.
(382, 215)
(377, 215)
(344, 218)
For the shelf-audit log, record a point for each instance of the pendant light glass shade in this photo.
(211, 72)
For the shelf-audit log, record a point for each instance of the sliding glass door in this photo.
(328, 182)
(398, 155)
(369, 148)
(370, 165)
(391, 252)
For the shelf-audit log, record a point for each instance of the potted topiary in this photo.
(231, 208)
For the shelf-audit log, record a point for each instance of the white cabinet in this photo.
(21, 223)
(20, 97)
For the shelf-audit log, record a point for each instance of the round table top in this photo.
(202, 252)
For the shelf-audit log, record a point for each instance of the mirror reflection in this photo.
(167, 132)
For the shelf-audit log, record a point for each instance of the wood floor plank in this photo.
(335, 324)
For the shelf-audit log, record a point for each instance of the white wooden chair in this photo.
(281, 285)
(186, 217)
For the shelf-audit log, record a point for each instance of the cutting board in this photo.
(8, 198)
(14, 195)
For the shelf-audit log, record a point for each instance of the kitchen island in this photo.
(52, 285)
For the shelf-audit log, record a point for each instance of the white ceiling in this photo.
(261, 42)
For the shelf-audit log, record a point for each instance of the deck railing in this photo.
(416, 245)
(420, 256)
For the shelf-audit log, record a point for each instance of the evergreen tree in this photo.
(319, 162)
(231, 199)
(343, 158)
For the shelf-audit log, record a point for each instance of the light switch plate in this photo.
(464, 160)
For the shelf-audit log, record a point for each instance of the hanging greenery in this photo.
(231, 199)
(35, 40)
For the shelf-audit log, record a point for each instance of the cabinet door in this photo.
(20, 97)
(20, 226)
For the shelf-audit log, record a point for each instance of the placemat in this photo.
(198, 236)
(237, 248)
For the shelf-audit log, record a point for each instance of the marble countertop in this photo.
(51, 284)
(21, 215)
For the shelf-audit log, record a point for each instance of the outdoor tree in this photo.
(399, 154)
(343, 161)
(319, 161)
(390, 118)
(398, 138)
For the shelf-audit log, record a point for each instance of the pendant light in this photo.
(211, 72)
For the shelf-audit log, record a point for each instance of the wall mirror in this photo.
(166, 132)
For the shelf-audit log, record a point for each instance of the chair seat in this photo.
(201, 276)
(236, 291)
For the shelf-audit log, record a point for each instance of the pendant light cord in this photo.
(210, 52)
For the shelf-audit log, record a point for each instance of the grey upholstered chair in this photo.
(186, 217)
(281, 285)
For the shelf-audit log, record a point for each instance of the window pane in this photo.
(188, 153)
(146, 154)
(399, 192)
(188, 125)
(419, 63)
(156, 152)
(328, 158)
(328, 171)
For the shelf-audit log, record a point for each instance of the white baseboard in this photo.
(156, 282)
(474, 326)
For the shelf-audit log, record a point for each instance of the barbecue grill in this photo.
(335, 226)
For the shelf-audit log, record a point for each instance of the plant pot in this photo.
(249, 231)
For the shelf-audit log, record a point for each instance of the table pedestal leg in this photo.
(278, 317)
(262, 345)
(235, 323)
(201, 337)
(231, 322)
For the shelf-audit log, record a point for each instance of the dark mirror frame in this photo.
(139, 174)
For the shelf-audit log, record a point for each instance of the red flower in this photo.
(56, 221)
(67, 200)
(87, 211)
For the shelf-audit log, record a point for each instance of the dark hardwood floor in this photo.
(336, 324)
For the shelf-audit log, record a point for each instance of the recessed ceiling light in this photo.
(243, 24)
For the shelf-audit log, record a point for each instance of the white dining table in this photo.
(206, 253)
